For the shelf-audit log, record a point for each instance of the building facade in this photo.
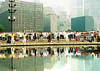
(50, 20)
(29, 16)
(64, 22)
(4, 17)
(80, 8)
(53, 23)
(82, 24)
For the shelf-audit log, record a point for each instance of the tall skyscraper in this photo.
(82, 24)
(64, 22)
(50, 20)
(86, 8)
(29, 16)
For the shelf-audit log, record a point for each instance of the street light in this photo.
(11, 10)
(11, 18)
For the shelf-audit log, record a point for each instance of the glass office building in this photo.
(4, 17)
(86, 8)
(82, 24)
(50, 20)
(29, 16)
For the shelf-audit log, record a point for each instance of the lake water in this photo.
(54, 63)
(81, 63)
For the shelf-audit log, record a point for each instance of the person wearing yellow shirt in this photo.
(3, 36)
(24, 41)
(12, 38)
(24, 38)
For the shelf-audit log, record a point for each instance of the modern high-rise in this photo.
(4, 17)
(82, 24)
(64, 22)
(50, 20)
(29, 16)
(86, 8)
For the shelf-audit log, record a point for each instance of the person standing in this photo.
(3, 36)
(76, 37)
(58, 36)
(24, 41)
(67, 36)
(24, 38)
(12, 38)
(35, 36)
(49, 38)
(9, 39)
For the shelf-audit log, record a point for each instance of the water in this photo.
(52, 63)
(86, 63)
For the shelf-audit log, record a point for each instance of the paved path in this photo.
(51, 44)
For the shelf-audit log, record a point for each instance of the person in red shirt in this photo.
(76, 38)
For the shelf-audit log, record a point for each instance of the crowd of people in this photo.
(68, 36)
(49, 37)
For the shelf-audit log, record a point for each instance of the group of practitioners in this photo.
(68, 36)
(24, 37)
(12, 37)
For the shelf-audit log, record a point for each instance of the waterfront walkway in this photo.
(50, 44)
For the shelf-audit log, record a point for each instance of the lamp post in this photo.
(11, 18)
(11, 10)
